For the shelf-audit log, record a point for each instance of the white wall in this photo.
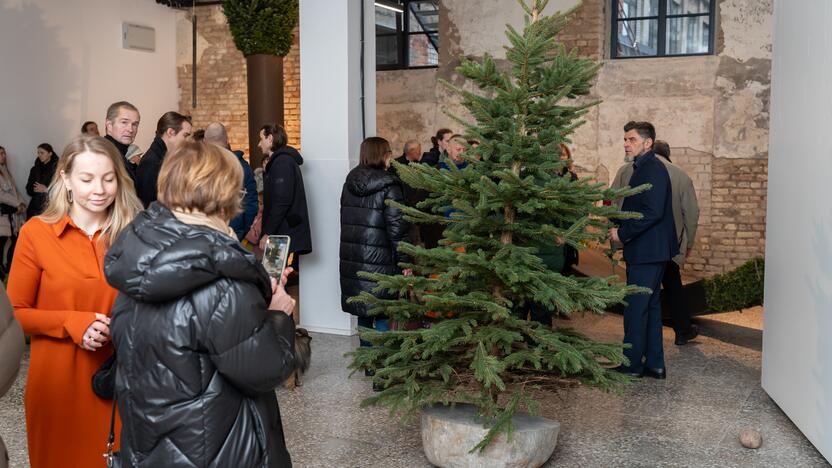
(62, 64)
(797, 346)
(330, 113)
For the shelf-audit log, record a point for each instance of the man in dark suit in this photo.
(649, 243)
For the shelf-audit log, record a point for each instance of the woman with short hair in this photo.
(63, 302)
(201, 332)
(371, 230)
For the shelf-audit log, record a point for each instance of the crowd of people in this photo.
(96, 280)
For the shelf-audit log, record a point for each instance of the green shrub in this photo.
(262, 26)
(737, 289)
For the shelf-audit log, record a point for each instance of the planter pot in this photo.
(449, 433)
(264, 76)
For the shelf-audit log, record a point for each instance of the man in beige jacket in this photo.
(11, 350)
(686, 219)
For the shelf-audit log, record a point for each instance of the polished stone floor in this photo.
(690, 420)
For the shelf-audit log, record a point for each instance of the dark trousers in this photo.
(672, 284)
(534, 312)
(377, 324)
(643, 318)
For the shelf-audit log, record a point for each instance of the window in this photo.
(408, 38)
(658, 28)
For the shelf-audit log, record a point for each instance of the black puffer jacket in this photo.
(198, 354)
(370, 231)
(284, 200)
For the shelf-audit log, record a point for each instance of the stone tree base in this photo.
(449, 433)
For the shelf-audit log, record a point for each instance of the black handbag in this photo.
(112, 458)
(104, 379)
(7, 209)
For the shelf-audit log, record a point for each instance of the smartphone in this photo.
(275, 255)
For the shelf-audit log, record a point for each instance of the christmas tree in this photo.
(499, 210)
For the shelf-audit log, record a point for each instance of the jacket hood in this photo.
(288, 150)
(364, 180)
(158, 258)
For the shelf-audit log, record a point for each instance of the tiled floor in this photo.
(692, 419)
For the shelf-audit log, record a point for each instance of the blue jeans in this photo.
(378, 324)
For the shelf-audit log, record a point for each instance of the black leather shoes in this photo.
(683, 338)
(626, 371)
(657, 373)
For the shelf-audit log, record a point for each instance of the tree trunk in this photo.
(265, 99)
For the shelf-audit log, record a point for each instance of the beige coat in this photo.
(9, 196)
(685, 205)
(11, 350)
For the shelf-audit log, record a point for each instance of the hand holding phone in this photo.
(275, 255)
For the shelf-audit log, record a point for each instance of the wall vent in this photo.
(138, 37)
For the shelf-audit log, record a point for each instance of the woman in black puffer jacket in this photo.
(370, 229)
(200, 338)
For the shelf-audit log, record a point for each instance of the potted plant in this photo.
(499, 211)
(263, 32)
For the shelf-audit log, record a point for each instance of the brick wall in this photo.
(585, 32)
(221, 81)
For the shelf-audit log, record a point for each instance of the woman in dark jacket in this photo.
(40, 176)
(200, 338)
(370, 229)
(284, 198)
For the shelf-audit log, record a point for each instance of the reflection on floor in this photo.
(690, 420)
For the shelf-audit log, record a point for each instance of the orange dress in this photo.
(56, 286)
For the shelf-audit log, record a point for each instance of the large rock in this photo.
(449, 433)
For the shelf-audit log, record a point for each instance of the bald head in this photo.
(215, 133)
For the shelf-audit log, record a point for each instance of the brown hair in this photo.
(125, 206)
(172, 120)
(201, 177)
(374, 150)
(280, 137)
(661, 148)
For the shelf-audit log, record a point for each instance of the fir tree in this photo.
(507, 202)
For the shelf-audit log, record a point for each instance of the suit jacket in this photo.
(685, 205)
(652, 238)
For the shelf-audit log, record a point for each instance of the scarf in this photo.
(201, 219)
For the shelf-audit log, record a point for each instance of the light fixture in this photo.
(388, 5)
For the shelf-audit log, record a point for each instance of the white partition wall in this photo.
(63, 63)
(331, 132)
(797, 336)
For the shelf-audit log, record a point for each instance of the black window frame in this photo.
(403, 35)
(662, 18)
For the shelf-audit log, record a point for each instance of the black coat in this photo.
(370, 232)
(652, 238)
(284, 200)
(40, 173)
(147, 172)
(122, 149)
(198, 354)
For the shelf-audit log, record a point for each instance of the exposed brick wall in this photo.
(738, 212)
(221, 82)
(585, 31)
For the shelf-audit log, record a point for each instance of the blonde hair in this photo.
(201, 177)
(125, 206)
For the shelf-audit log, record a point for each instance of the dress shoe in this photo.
(657, 373)
(683, 338)
(369, 373)
(626, 371)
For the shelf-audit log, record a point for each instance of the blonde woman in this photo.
(63, 301)
(201, 332)
(12, 208)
